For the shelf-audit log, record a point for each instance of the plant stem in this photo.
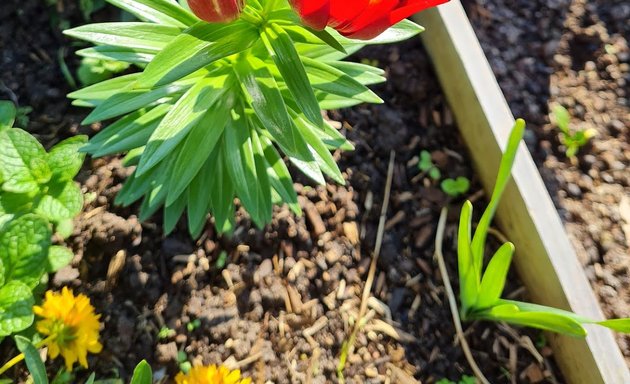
(20, 357)
(451, 298)
(348, 346)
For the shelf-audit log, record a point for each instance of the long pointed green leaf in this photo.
(181, 119)
(111, 53)
(279, 176)
(548, 321)
(331, 80)
(133, 35)
(505, 168)
(157, 11)
(33, 361)
(289, 64)
(197, 47)
(267, 101)
(469, 281)
(129, 100)
(495, 276)
(197, 147)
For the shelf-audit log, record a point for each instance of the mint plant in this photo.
(37, 199)
(480, 290)
(216, 107)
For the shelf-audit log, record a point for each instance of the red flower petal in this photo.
(314, 13)
(216, 11)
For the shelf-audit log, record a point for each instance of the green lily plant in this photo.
(214, 108)
(480, 290)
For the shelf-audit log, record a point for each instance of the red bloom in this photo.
(359, 19)
(217, 11)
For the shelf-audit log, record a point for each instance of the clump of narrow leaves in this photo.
(214, 109)
(37, 199)
(480, 290)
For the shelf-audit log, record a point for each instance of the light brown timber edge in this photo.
(545, 259)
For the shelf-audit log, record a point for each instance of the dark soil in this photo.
(573, 53)
(281, 301)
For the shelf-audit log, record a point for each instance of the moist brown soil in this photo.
(279, 301)
(574, 53)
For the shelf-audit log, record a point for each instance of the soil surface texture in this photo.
(279, 302)
(573, 53)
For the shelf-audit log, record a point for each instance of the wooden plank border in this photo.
(545, 259)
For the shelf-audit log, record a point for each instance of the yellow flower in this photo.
(211, 375)
(71, 325)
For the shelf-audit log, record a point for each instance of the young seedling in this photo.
(455, 187)
(426, 165)
(464, 380)
(572, 141)
(480, 290)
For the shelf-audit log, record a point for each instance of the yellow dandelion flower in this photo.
(211, 375)
(71, 325)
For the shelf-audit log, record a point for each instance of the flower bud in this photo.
(217, 11)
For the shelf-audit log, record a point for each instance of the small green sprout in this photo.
(193, 325)
(182, 361)
(165, 333)
(455, 187)
(573, 141)
(464, 380)
(426, 165)
(480, 290)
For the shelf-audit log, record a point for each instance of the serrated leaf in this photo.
(157, 11)
(289, 64)
(33, 361)
(197, 47)
(58, 257)
(16, 308)
(62, 201)
(24, 247)
(142, 374)
(22, 162)
(65, 160)
(182, 117)
(146, 36)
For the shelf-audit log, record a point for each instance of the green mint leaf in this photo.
(22, 162)
(16, 308)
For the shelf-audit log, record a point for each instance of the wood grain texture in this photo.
(545, 259)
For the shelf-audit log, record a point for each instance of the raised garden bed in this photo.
(278, 304)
